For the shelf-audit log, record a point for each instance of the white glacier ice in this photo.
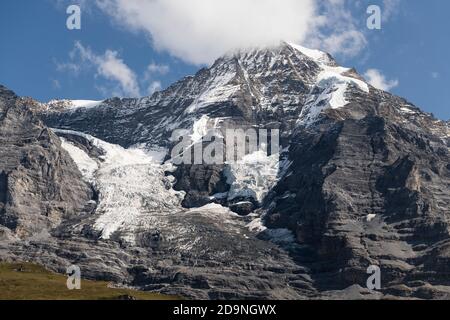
(253, 176)
(132, 187)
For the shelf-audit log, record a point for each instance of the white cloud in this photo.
(70, 67)
(113, 68)
(150, 73)
(109, 66)
(56, 84)
(336, 30)
(154, 70)
(199, 31)
(348, 43)
(379, 81)
(122, 80)
(158, 68)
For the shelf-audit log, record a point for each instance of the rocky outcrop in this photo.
(200, 182)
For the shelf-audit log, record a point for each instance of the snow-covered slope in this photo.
(70, 105)
(330, 88)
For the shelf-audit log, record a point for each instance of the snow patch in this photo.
(316, 55)
(328, 92)
(278, 236)
(85, 103)
(406, 109)
(330, 88)
(73, 104)
(334, 76)
(256, 226)
(85, 164)
(213, 207)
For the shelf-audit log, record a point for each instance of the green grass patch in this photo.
(25, 281)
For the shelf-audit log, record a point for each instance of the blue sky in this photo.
(130, 55)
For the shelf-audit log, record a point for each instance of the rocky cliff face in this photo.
(362, 179)
(40, 185)
(370, 190)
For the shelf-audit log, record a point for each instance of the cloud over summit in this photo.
(199, 31)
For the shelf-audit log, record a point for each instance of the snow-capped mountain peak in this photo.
(360, 174)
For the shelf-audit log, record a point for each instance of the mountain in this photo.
(361, 179)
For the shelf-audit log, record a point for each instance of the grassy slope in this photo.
(36, 283)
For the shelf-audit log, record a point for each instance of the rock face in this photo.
(369, 191)
(362, 178)
(40, 184)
